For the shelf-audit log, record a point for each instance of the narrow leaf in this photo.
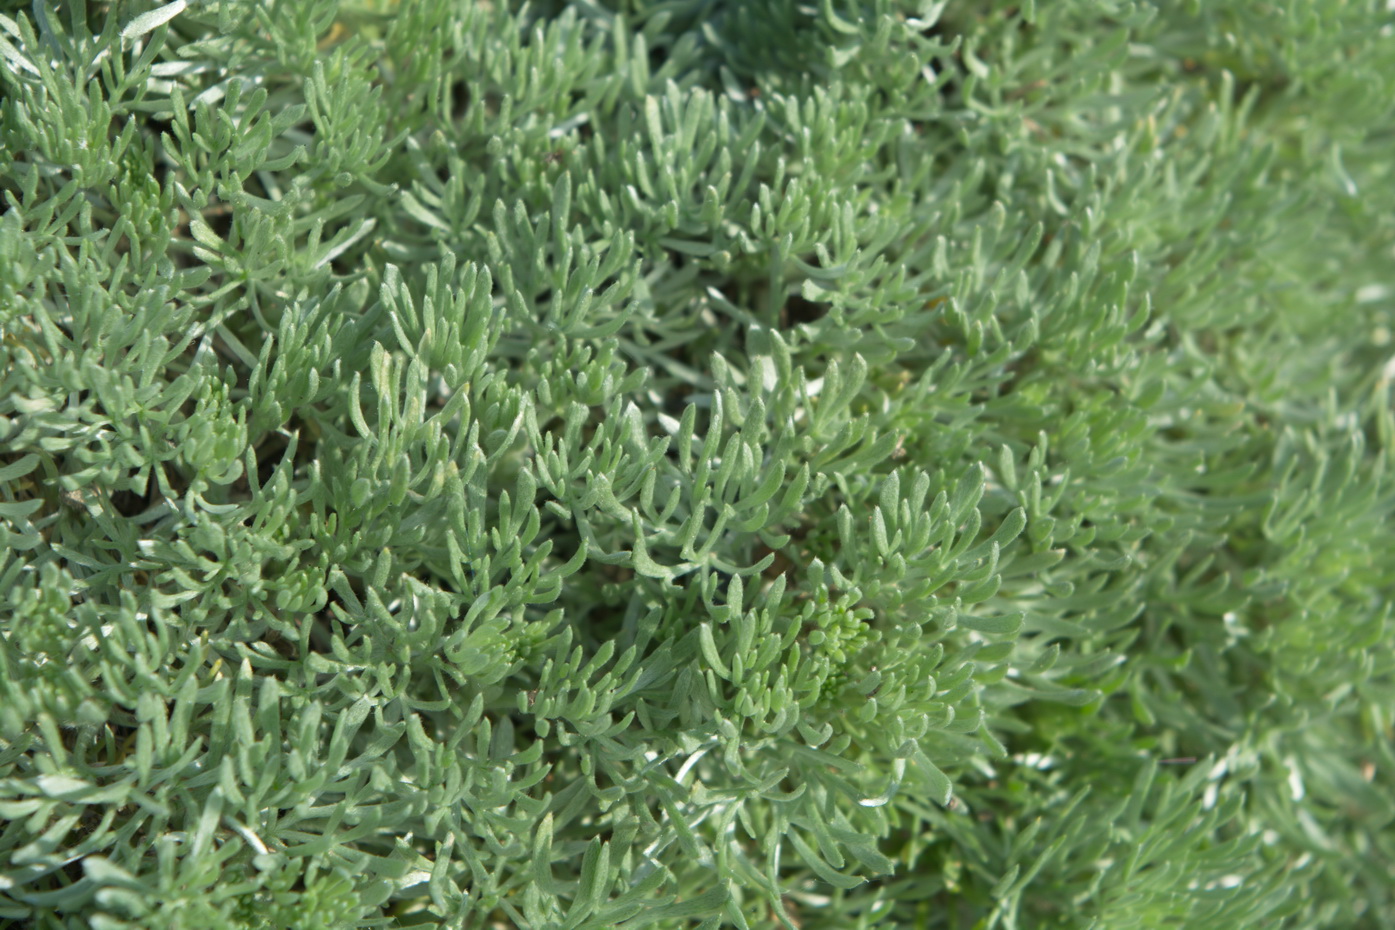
(149, 22)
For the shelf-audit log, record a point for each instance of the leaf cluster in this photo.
(628, 463)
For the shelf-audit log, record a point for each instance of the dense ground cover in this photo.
(696, 463)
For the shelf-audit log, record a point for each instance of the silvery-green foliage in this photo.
(857, 463)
